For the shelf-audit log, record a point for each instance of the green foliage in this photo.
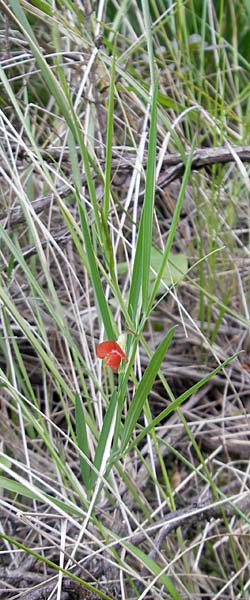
(94, 242)
(144, 388)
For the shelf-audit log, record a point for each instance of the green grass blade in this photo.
(101, 303)
(109, 143)
(172, 229)
(178, 401)
(68, 113)
(49, 77)
(135, 288)
(17, 488)
(148, 206)
(141, 266)
(43, 353)
(82, 440)
(53, 565)
(144, 388)
(101, 446)
(218, 321)
(152, 566)
(148, 34)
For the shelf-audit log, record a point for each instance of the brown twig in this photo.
(195, 512)
(70, 589)
(192, 514)
(174, 166)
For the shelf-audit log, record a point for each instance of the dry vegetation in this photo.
(91, 504)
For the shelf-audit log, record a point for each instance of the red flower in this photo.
(112, 353)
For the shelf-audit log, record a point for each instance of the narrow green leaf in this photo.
(103, 436)
(109, 143)
(222, 310)
(148, 206)
(152, 566)
(43, 6)
(19, 489)
(44, 354)
(149, 38)
(49, 77)
(53, 565)
(82, 440)
(141, 266)
(178, 401)
(135, 287)
(169, 102)
(174, 270)
(101, 302)
(172, 230)
(144, 388)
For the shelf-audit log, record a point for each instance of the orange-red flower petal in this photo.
(113, 361)
(105, 348)
(112, 353)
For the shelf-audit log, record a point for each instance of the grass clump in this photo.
(124, 217)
